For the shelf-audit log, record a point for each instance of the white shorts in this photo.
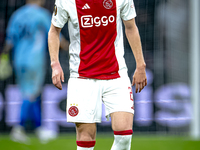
(85, 97)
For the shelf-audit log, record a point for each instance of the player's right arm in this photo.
(54, 43)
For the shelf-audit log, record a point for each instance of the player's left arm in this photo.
(132, 34)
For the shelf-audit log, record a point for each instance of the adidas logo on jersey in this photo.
(86, 6)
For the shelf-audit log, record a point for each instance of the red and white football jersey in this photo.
(96, 38)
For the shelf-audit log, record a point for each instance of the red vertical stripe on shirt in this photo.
(97, 22)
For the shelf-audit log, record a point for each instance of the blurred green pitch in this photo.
(104, 142)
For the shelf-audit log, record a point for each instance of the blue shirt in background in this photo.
(27, 31)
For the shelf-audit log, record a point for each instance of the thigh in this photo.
(83, 101)
(25, 80)
(30, 80)
(118, 97)
(38, 80)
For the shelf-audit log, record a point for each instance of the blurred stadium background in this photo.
(164, 108)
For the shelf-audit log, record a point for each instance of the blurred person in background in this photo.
(26, 35)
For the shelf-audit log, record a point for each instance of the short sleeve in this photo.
(128, 10)
(60, 15)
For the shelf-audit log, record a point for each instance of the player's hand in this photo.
(57, 75)
(139, 78)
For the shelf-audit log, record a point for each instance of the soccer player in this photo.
(98, 72)
(26, 34)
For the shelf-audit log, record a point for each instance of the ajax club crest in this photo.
(108, 4)
(73, 110)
